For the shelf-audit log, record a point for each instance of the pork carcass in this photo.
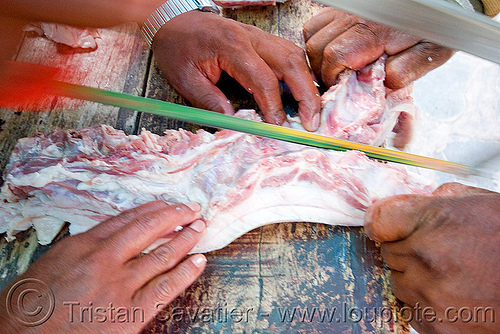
(242, 181)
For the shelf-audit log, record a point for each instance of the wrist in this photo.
(139, 11)
(170, 9)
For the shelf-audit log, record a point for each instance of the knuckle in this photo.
(439, 215)
(372, 224)
(433, 262)
(165, 289)
(333, 54)
(188, 236)
(163, 256)
(397, 80)
(311, 47)
(364, 27)
(169, 287)
(252, 29)
(146, 223)
(433, 48)
(268, 83)
(237, 36)
(184, 275)
(296, 56)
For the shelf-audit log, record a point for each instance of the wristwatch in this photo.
(170, 9)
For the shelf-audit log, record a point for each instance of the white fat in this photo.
(45, 176)
(47, 228)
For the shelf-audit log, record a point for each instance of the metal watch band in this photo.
(170, 9)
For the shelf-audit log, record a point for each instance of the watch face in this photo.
(212, 9)
(208, 6)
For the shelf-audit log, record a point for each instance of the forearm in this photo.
(91, 13)
(9, 40)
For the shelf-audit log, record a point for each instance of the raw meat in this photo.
(359, 109)
(76, 37)
(242, 181)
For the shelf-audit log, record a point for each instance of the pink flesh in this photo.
(242, 181)
(75, 37)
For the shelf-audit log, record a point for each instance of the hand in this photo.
(104, 266)
(194, 48)
(336, 40)
(444, 254)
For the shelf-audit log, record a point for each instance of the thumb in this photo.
(411, 64)
(455, 189)
(202, 93)
(394, 218)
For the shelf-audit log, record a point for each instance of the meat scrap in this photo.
(75, 37)
(241, 181)
(360, 109)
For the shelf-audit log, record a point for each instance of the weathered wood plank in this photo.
(269, 278)
(292, 16)
(119, 64)
(277, 268)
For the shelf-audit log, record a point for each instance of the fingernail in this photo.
(198, 225)
(199, 260)
(279, 120)
(315, 121)
(193, 206)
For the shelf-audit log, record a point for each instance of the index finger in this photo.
(411, 64)
(395, 218)
(291, 67)
(317, 43)
(110, 226)
(354, 49)
(255, 75)
(140, 231)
